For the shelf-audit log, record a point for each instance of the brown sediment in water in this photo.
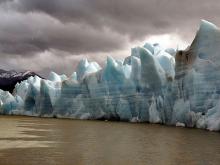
(29, 140)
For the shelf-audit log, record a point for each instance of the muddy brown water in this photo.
(43, 141)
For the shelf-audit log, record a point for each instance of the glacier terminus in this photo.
(153, 85)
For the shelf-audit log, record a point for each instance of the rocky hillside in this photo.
(8, 79)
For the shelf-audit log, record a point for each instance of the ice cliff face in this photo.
(152, 85)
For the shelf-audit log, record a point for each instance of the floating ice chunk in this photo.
(178, 124)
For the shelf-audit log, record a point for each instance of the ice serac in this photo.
(8, 102)
(198, 73)
(152, 74)
(84, 68)
(153, 85)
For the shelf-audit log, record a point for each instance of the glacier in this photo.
(153, 84)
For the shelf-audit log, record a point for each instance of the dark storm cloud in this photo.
(135, 18)
(27, 33)
(80, 26)
(30, 27)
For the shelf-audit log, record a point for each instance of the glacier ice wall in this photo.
(153, 85)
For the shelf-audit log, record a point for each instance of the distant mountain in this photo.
(8, 79)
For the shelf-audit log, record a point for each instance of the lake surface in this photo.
(41, 141)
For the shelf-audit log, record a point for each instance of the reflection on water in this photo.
(14, 134)
(26, 141)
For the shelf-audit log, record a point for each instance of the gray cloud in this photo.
(28, 33)
(134, 18)
(73, 27)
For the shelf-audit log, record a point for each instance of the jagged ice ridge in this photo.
(153, 85)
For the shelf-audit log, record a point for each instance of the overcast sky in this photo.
(45, 35)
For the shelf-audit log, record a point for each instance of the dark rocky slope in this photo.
(8, 79)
